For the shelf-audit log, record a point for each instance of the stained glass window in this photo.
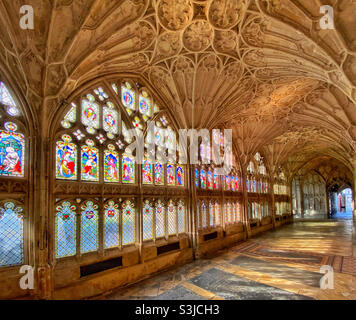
(111, 165)
(227, 182)
(7, 100)
(128, 169)
(128, 223)
(210, 180)
(65, 230)
(233, 185)
(228, 212)
(217, 214)
(90, 114)
(11, 234)
(172, 223)
(147, 220)
(202, 179)
(159, 174)
(145, 104)
(12, 150)
(181, 217)
(147, 172)
(216, 181)
(90, 162)
(128, 96)
(170, 175)
(110, 120)
(211, 214)
(111, 225)
(160, 220)
(70, 117)
(180, 176)
(197, 178)
(204, 215)
(89, 236)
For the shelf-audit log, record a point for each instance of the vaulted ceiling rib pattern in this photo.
(263, 68)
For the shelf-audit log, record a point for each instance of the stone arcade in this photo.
(77, 207)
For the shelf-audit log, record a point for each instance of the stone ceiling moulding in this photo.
(263, 68)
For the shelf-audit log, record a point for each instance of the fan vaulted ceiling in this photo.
(266, 69)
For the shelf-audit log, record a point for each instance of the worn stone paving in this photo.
(281, 264)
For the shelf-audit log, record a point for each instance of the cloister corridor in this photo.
(280, 264)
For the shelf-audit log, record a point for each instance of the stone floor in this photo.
(281, 264)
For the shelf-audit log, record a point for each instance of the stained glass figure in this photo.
(180, 176)
(111, 225)
(65, 230)
(216, 181)
(111, 165)
(202, 179)
(89, 236)
(128, 223)
(233, 185)
(160, 220)
(147, 175)
(128, 96)
(128, 169)
(170, 175)
(11, 235)
(181, 217)
(210, 179)
(147, 221)
(90, 114)
(90, 162)
(145, 104)
(159, 174)
(12, 150)
(172, 222)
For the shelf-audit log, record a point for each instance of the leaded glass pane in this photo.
(128, 97)
(89, 240)
(172, 224)
(217, 214)
(110, 121)
(128, 223)
(65, 230)
(211, 214)
(90, 114)
(11, 235)
(111, 225)
(145, 105)
(147, 221)
(204, 215)
(160, 223)
(181, 217)
(202, 179)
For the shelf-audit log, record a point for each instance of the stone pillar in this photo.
(353, 161)
(327, 203)
(273, 203)
(245, 219)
